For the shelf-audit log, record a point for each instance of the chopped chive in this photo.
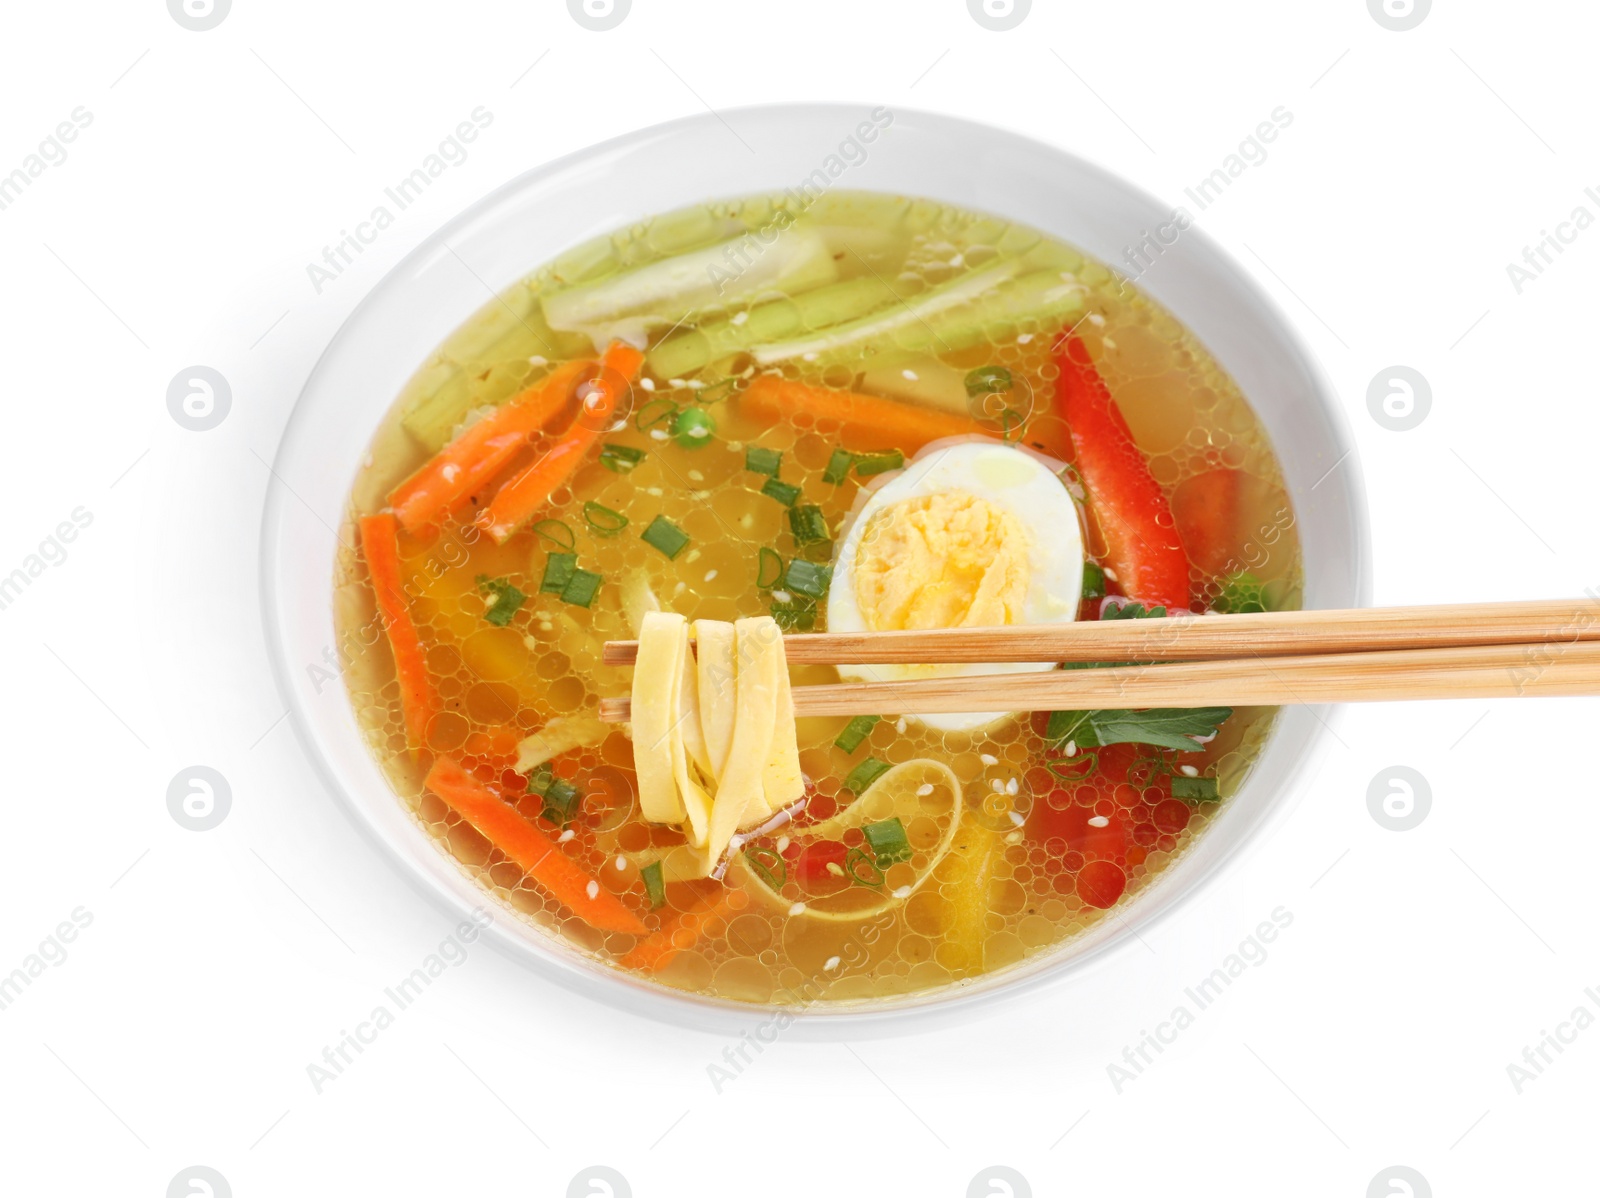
(759, 460)
(769, 568)
(862, 869)
(784, 493)
(838, 466)
(887, 841)
(1196, 790)
(988, 380)
(768, 865)
(666, 536)
(693, 428)
(654, 885)
(561, 802)
(655, 412)
(864, 775)
(603, 520)
(557, 532)
(856, 731)
(798, 616)
(878, 463)
(558, 571)
(539, 781)
(807, 578)
(808, 524)
(505, 600)
(1094, 581)
(581, 588)
(621, 458)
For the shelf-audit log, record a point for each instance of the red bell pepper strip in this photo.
(1143, 548)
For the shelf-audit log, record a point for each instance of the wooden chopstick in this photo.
(1569, 667)
(1200, 638)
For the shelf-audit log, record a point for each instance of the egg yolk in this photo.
(948, 560)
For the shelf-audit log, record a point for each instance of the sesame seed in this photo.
(1188, 771)
(1098, 821)
(782, 596)
(797, 909)
(1016, 817)
(1109, 573)
(697, 476)
(565, 836)
(658, 434)
(924, 790)
(694, 555)
(538, 360)
(740, 318)
(592, 889)
(622, 862)
(648, 384)
(1024, 338)
(1012, 787)
(831, 964)
(783, 843)
(909, 374)
(989, 759)
(710, 574)
(901, 892)
(1071, 750)
(997, 786)
(676, 383)
(1097, 320)
(900, 725)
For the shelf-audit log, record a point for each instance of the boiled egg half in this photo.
(971, 533)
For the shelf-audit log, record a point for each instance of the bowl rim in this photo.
(634, 995)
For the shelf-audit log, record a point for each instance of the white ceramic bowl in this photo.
(536, 216)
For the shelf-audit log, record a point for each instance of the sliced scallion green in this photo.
(768, 865)
(808, 524)
(505, 600)
(838, 466)
(760, 460)
(856, 731)
(603, 520)
(1094, 581)
(657, 411)
(988, 380)
(868, 464)
(887, 841)
(799, 615)
(666, 536)
(654, 885)
(861, 869)
(864, 775)
(557, 533)
(621, 458)
(561, 802)
(558, 570)
(581, 588)
(539, 781)
(810, 579)
(769, 568)
(784, 493)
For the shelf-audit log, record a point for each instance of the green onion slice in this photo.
(798, 616)
(856, 731)
(769, 568)
(760, 460)
(557, 532)
(581, 588)
(768, 865)
(868, 464)
(862, 869)
(657, 411)
(505, 600)
(1094, 581)
(604, 521)
(561, 802)
(1195, 790)
(838, 466)
(887, 840)
(654, 885)
(988, 380)
(558, 571)
(666, 536)
(810, 579)
(621, 458)
(784, 493)
(808, 524)
(864, 775)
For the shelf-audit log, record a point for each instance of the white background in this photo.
(179, 1028)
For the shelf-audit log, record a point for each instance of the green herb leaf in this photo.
(1195, 790)
(856, 731)
(868, 464)
(839, 464)
(666, 536)
(505, 600)
(865, 774)
(1131, 611)
(693, 428)
(784, 493)
(1168, 727)
(581, 588)
(800, 615)
(769, 568)
(654, 885)
(810, 579)
(759, 460)
(621, 458)
(887, 841)
(558, 569)
(561, 802)
(603, 520)
(988, 380)
(808, 524)
(1094, 581)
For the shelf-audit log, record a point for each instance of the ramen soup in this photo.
(768, 416)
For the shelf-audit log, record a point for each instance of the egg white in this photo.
(1015, 479)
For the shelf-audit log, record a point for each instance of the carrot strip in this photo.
(462, 467)
(531, 487)
(869, 420)
(536, 853)
(681, 932)
(380, 545)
